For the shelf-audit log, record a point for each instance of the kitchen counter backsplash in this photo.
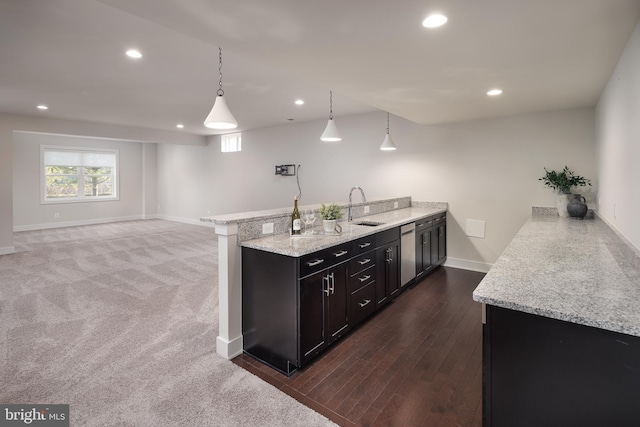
(250, 223)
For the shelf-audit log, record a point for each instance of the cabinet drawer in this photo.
(423, 223)
(361, 262)
(437, 219)
(363, 303)
(362, 278)
(325, 258)
(387, 236)
(364, 244)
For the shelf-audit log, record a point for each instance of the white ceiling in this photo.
(374, 54)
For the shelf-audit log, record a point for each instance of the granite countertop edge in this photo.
(284, 244)
(582, 272)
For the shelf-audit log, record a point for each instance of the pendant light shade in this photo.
(387, 144)
(220, 117)
(331, 133)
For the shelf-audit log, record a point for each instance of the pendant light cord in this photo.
(298, 180)
(220, 91)
(387, 123)
(330, 105)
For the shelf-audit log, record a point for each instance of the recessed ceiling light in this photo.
(299, 102)
(180, 126)
(494, 92)
(42, 107)
(134, 53)
(435, 20)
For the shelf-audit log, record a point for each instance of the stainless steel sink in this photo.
(368, 223)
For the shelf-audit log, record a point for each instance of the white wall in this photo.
(485, 169)
(10, 123)
(29, 213)
(618, 139)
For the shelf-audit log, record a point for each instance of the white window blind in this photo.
(79, 158)
(70, 175)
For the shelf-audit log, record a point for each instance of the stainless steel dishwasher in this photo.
(407, 253)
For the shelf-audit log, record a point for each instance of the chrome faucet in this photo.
(364, 199)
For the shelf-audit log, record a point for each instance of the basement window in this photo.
(231, 142)
(71, 175)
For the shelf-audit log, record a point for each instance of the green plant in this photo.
(563, 181)
(331, 211)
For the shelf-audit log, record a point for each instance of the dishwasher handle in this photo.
(408, 228)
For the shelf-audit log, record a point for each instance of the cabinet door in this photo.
(313, 290)
(337, 301)
(423, 251)
(393, 269)
(434, 246)
(442, 243)
(382, 296)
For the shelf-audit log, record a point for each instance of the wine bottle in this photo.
(296, 223)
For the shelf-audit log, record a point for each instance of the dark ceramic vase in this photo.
(577, 207)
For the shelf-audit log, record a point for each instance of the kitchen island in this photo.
(561, 333)
(235, 229)
(300, 294)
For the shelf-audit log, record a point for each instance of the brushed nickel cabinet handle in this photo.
(341, 253)
(315, 262)
(364, 278)
(325, 289)
(364, 245)
(364, 261)
(363, 303)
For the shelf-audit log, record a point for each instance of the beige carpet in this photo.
(120, 321)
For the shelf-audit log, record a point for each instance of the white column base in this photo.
(229, 349)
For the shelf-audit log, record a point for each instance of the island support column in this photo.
(229, 340)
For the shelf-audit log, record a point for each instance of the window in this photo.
(231, 142)
(78, 174)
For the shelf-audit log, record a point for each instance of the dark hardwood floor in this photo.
(417, 362)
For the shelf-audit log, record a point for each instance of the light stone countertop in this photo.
(297, 246)
(577, 271)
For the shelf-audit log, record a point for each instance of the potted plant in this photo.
(562, 182)
(330, 214)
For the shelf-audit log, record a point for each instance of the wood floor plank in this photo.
(417, 362)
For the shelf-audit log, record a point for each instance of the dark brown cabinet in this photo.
(431, 244)
(362, 284)
(424, 230)
(294, 308)
(439, 239)
(387, 265)
(580, 375)
(323, 310)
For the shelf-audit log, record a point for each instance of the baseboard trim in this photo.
(229, 349)
(8, 250)
(186, 220)
(75, 223)
(466, 264)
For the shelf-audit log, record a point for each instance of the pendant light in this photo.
(387, 144)
(220, 117)
(331, 133)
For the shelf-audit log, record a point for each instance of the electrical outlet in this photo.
(395, 205)
(56, 215)
(366, 209)
(267, 228)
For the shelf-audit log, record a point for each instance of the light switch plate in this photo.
(395, 205)
(267, 228)
(366, 209)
